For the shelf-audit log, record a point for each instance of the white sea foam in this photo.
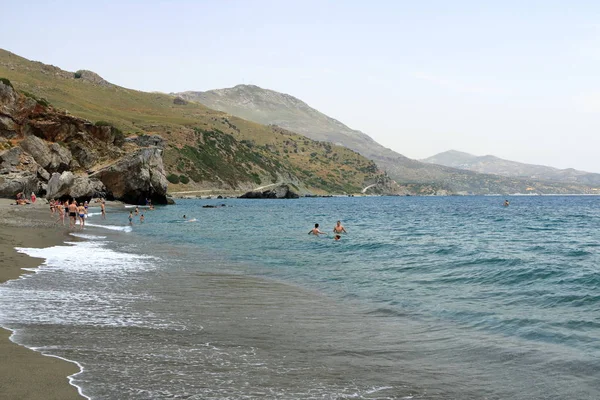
(112, 227)
(91, 256)
(93, 214)
(86, 236)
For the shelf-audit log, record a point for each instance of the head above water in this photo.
(316, 225)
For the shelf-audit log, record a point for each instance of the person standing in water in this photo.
(103, 209)
(142, 219)
(339, 228)
(130, 217)
(315, 231)
(72, 214)
(81, 210)
(506, 203)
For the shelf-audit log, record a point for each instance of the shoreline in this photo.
(26, 373)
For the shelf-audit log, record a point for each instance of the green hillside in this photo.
(209, 148)
(270, 107)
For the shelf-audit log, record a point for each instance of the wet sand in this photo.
(24, 373)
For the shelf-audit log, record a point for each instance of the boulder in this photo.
(86, 188)
(59, 185)
(38, 149)
(136, 177)
(9, 99)
(16, 182)
(83, 155)
(60, 158)
(278, 192)
(11, 157)
(53, 157)
(77, 187)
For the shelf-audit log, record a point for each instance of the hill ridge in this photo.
(267, 106)
(496, 165)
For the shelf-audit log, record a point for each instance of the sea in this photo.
(423, 298)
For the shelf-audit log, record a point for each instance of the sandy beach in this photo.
(24, 373)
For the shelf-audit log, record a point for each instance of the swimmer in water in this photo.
(339, 228)
(337, 237)
(315, 231)
(506, 203)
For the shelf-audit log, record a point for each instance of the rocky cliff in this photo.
(53, 154)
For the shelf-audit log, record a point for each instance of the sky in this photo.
(516, 79)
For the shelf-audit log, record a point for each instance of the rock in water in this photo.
(136, 177)
(278, 192)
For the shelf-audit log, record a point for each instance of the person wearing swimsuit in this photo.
(72, 214)
(81, 210)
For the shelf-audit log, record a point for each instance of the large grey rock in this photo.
(136, 177)
(60, 185)
(9, 99)
(84, 187)
(53, 157)
(83, 155)
(11, 157)
(16, 182)
(8, 127)
(77, 187)
(278, 192)
(60, 158)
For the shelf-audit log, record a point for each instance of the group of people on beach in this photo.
(22, 200)
(338, 229)
(74, 210)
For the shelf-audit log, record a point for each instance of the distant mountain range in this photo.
(270, 107)
(498, 166)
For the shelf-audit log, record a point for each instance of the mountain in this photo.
(270, 107)
(498, 166)
(202, 149)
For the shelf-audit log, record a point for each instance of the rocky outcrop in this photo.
(55, 148)
(59, 185)
(179, 101)
(19, 173)
(136, 177)
(13, 183)
(77, 187)
(147, 141)
(278, 192)
(52, 157)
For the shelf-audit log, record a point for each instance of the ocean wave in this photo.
(126, 228)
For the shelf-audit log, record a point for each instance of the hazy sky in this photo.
(517, 79)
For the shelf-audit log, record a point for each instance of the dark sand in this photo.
(24, 373)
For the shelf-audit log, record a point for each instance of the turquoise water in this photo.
(435, 297)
